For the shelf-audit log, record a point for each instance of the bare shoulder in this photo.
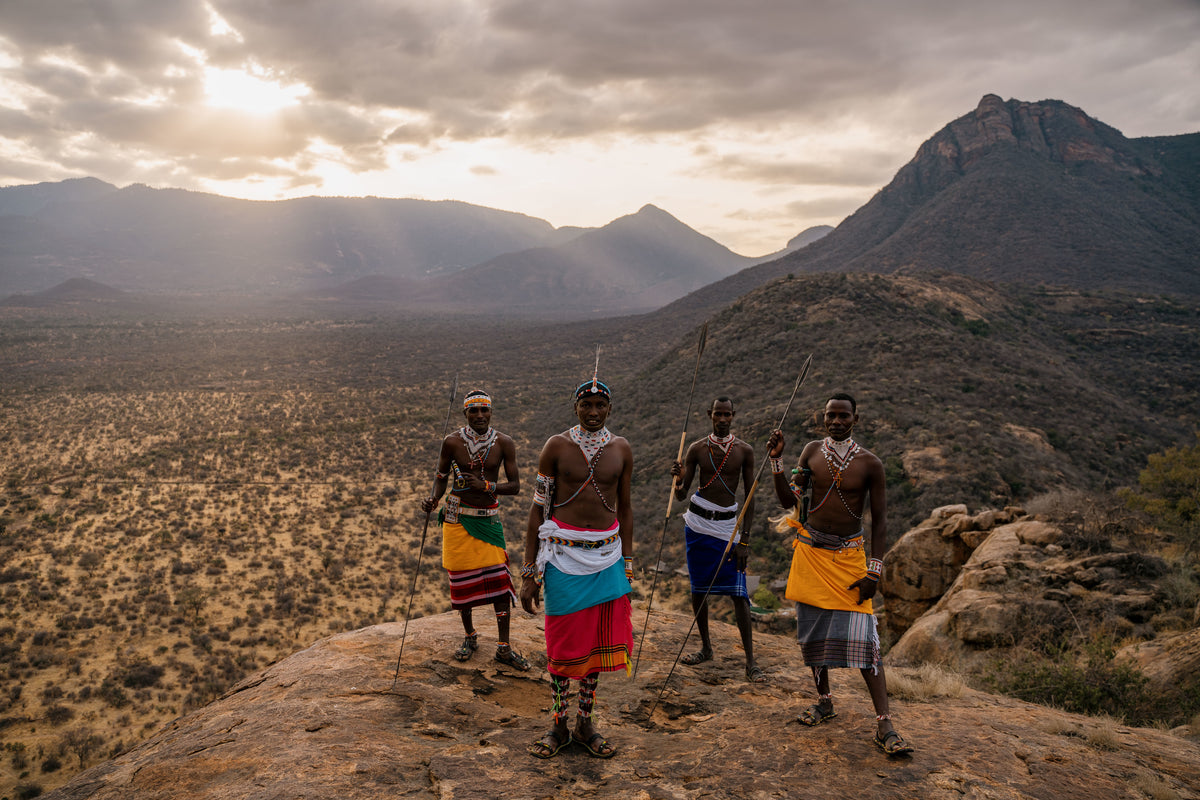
(621, 444)
(870, 458)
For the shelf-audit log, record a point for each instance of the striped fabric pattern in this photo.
(836, 638)
(476, 587)
(594, 639)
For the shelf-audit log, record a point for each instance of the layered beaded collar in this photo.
(838, 455)
(722, 442)
(590, 442)
(477, 443)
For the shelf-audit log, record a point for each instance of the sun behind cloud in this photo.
(244, 90)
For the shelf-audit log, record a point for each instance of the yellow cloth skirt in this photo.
(821, 578)
(462, 551)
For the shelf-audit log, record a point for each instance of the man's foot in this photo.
(506, 655)
(596, 745)
(549, 745)
(816, 714)
(892, 743)
(755, 674)
(470, 644)
(699, 657)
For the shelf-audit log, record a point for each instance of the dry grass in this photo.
(1153, 786)
(924, 683)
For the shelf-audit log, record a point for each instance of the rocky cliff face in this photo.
(328, 722)
(962, 587)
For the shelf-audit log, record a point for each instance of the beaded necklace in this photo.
(477, 443)
(592, 444)
(838, 456)
(726, 445)
(479, 446)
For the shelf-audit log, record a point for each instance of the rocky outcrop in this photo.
(924, 562)
(1018, 581)
(1167, 661)
(336, 720)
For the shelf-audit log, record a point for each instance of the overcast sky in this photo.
(749, 120)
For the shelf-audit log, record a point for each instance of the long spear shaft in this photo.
(729, 544)
(671, 497)
(421, 549)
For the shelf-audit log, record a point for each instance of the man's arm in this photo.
(685, 472)
(743, 550)
(512, 478)
(876, 484)
(624, 500)
(530, 596)
(783, 490)
(878, 488)
(440, 480)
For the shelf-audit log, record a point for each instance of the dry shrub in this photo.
(1153, 786)
(1103, 735)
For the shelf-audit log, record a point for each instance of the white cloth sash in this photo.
(576, 560)
(717, 528)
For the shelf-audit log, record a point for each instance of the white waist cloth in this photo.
(576, 560)
(718, 528)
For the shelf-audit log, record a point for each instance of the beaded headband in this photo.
(472, 400)
(592, 388)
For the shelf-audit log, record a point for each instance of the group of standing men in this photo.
(578, 556)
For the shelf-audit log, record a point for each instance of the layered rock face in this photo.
(958, 586)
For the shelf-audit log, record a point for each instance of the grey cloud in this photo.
(862, 169)
(531, 71)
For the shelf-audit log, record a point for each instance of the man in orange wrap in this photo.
(473, 551)
(831, 579)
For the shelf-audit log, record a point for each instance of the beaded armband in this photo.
(489, 487)
(874, 568)
(628, 566)
(543, 492)
(776, 465)
(441, 476)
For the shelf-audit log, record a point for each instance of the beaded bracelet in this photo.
(776, 465)
(875, 568)
(528, 570)
(489, 487)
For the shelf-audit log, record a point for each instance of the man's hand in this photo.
(531, 595)
(775, 444)
(428, 505)
(866, 588)
(741, 553)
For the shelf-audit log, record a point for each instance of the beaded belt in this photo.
(584, 545)
(827, 541)
(715, 516)
(467, 511)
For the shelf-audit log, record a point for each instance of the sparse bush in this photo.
(764, 598)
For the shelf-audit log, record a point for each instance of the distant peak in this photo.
(990, 101)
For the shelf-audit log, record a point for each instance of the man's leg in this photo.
(877, 685)
(741, 612)
(559, 736)
(700, 608)
(823, 708)
(504, 652)
(585, 730)
(470, 642)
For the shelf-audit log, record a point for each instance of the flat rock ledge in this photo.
(327, 722)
